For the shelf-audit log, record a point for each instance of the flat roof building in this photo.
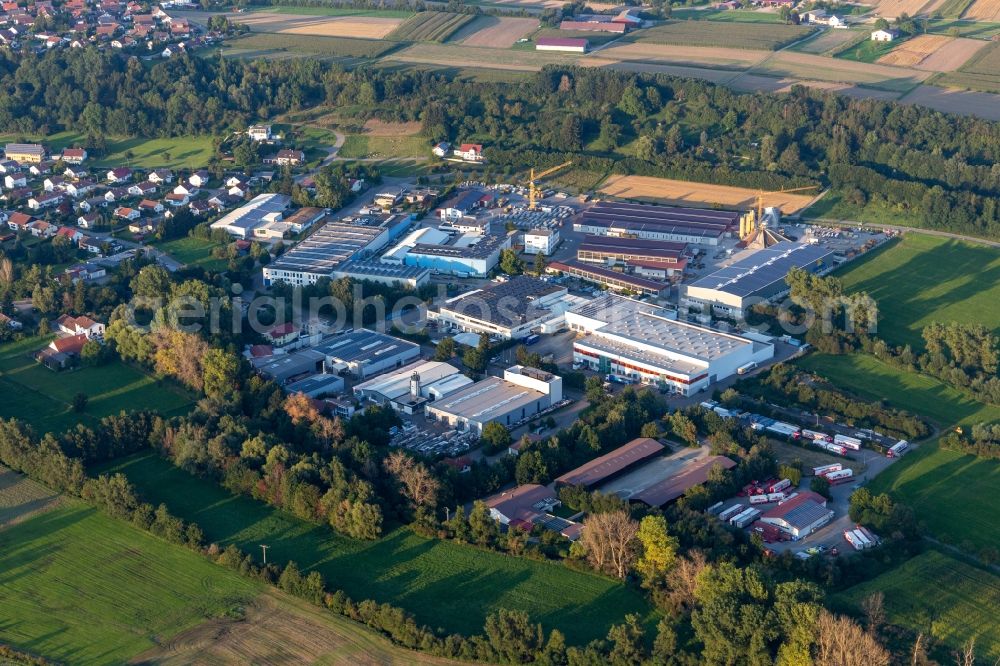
(614, 280)
(365, 353)
(317, 386)
(756, 278)
(666, 223)
(508, 309)
(519, 395)
(413, 385)
(541, 241)
(644, 343)
(262, 209)
(468, 255)
(612, 250)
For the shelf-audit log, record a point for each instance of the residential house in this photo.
(286, 157)
(176, 200)
(150, 206)
(119, 175)
(74, 155)
(61, 351)
(42, 229)
(161, 176)
(442, 149)
(199, 207)
(9, 166)
(80, 188)
(88, 221)
(187, 187)
(74, 235)
(53, 183)
(19, 221)
(47, 200)
(470, 152)
(12, 324)
(75, 172)
(145, 226)
(41, 168)
(87, 272)
(199, 178)
(15, 180)
(125, 213)
(116, 194)
(91, 245)
(885, 35)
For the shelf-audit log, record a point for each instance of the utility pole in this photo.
(264, 548)
(447, 513)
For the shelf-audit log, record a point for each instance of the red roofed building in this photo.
(283, 334)
(470, 152)
(607, 466)
(800, 515)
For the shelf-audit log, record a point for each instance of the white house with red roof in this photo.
(470, 152)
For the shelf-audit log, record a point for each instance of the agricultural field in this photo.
(923, 395)
(363, 146)
(941, 595)
(828, 42)
(867, 50)
(21, 498)
(44, 398)
(349, 25)
(430, 27)
(664, 190)
(276, 46)
(320, 10)
(890, 9)
(983, 10)
(706, 56)
(82, 588)
(192, 251)
(461, 57)
(949, 100)
(980, 72)
(760, 36)
(914, 51)
(444, 584)
(962, 28)
(806, 67)
(935, 53)
(920, 279)
(183, 152)
(495, 32)
(947, 8)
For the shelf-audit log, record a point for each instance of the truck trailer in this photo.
(833, 448)
(897, 449)
(854, 539)
(745, 518)
(839, 476)
(852, 443)
(824, 469)
(816, 436)
(734, 510)
(714, 509)
(783, 429)
(758, 499)
(784, 484)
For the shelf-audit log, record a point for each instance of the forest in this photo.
(940, 170)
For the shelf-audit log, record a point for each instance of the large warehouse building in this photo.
(412, 386)
(612, 279)
(697, 226)
(335, 243)
(612, 464)
(511, 310)
(522, 393)
(800, 515)
(760, 276)
(620, 251)
(640, 342)
(260, 210)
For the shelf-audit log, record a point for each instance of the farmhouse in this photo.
(470, 152)
(80, 326)
(885, 35)
(757, 278)
(62, 351)
(286, 157)
(25, 153)
(800, 515)
(521, 394)
(561, 44)
(644, 343)
(541, 241)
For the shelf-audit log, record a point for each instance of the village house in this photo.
(87, 272)
(119, 175)
(470, 152)
(161, 176)
(74, 155)
(142, 189)
(43, 201)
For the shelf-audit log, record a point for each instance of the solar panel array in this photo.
(764, 268)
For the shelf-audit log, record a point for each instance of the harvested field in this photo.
(687, 192)
(827, 42)
(280, 629)
(681, 55)
(358, 27)
(22, 498)
(431, 27)
(947, 8)
(817, 68)
(375, 127)
(914, 51)
(952, 55)
(457, 55)
(984, 10)
(982, 104)
(890, 9)
(763, 36)
(494, 32)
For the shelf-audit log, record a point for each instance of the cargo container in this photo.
(775, 497)
(823, 469)
(852, 443)
(715, 508)
(840, 476)
(816, 436)
(758, 499)
(779, 486)
(734, 510)
(745, 518)
(783, 429)
(897, 449)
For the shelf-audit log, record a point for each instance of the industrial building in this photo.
(644, 343)
(375, 271)
(612, 464)
(317, 386)
(467, 256)
(521, 394)
(511, 310)
(262, 209)
(697, 226)
(412, 386)
(528, 505)
(614, 280)
(464, 203)
(800, 515)
(632, 251)
(675, 485)
(364, 353)
(332, 245)
(541, 241)
(758, 277)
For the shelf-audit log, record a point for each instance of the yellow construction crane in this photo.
(533, 187)
(748, 226)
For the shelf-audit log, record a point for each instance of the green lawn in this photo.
(921, 279)
(442, 583)
(82, 588)
(941, 595)
(185, 151)
(43, 398)
(362, 146)
(192, 251)
(922, 395)
(868, 50)
(334, 11)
